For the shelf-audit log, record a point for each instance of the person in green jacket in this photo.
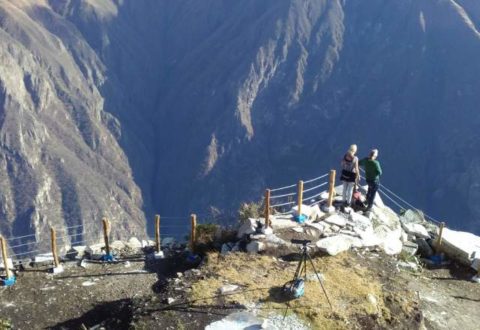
(373, 171)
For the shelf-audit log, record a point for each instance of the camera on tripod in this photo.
(301, 241)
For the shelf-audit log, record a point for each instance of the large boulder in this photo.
(412, 216)
(337, 220)
(248, 227)
(336, 244)
(416, 229)
(460, 246)
(385, 216)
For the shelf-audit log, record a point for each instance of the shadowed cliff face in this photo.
(209, 102)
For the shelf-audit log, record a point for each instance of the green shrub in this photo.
(249, 210)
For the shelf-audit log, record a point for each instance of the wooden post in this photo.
(300, 197)
(5, 257)
(267, 208)
(105, 235)
(157, 233)
(54, 247)
(332, 188)
(440, 235)
(193, 220)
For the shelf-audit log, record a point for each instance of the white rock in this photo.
(335, 244)
(127, 264)
(392, 246)
(409, 248)
(228, 288)
(258, 236)
(385, 216)
(95, 248)
(306, 210)
(412, 216)
(9, 263)
(57, 270)
(337, 220)
(237, 321)
(372, 300)
(267, 230)
(404, 237)
(416, 229)
(359, 222)
(88, 283)
(476, 279)
(274, 239)
(316, 212)
(247, 228)
(298, 229)
(84, 263)
(460, 246)
(255, 247)
(117, 245)
(317, 225)
(170, 300)
(324, 195)
(159, 255)
(410, 266)
(44, 257)
(328, 209)
(134, 244)
(76, 252)
(283, 222)
(476, 262)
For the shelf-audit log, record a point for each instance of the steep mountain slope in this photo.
(60, 164)
(213, 101)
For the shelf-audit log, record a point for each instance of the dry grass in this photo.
(261, 279)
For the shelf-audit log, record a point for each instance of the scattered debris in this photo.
(228, 288)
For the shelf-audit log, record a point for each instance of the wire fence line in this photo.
(75, 234)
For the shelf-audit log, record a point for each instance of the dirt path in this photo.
(448, 299)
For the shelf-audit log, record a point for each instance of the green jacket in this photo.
(372, 169)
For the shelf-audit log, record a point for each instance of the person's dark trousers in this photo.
(372, 191)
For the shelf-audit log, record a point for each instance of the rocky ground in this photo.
(365, 287)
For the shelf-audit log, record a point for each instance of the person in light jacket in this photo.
(350, 174)
(373, 171)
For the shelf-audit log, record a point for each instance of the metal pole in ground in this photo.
(300, 218)
(331, 189)
(108, 256)
(9, 278)
(267, 208)
(440, 236)
(157, 233)
(56, 263)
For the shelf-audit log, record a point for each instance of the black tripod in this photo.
(302, 268)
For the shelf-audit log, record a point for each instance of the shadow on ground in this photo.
(111, 315)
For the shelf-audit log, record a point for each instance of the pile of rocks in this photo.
(342, 229)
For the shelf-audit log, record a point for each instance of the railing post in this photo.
(157, 233)
(267, 208)
(105, 235)
(331, 189)
(440, 235)
(53, 235)
(193, 239)
(5, 258)
(300, 197)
